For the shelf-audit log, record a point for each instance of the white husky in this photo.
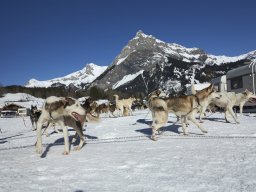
(122, 104)
(231, 99)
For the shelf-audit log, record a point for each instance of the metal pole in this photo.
(253, 71)
(144, 82)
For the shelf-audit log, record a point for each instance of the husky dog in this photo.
(54, 110)
(111, 109)
(184, 107)
(205, 99)
(78, 126)
(158, 108)
(231, 99)
(51, 125)
(124, 103)
(87, 105)
(34, 116)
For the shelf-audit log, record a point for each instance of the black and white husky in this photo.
(34, 116)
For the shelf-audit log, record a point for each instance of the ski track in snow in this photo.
(119, 158)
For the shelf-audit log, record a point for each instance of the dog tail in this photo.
(159, 108)
(193, 90)
(92, 118)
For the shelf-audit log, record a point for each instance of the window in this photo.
(237, 82)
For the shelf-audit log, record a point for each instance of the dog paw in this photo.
(39, 150)
(204, 131)
(77, 148)
(153, 138)
(65, 153)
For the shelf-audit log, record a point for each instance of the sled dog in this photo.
(54, 110)
(206, 97)
(230, 99)
(184, 107)
(34, 116)
(124, 103)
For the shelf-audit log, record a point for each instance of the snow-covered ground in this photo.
(119, 156)
(22, 99)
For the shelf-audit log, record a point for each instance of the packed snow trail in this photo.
(119, 156)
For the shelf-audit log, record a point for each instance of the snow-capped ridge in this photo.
(144, 41)
(154, 56)
(146, 53)
(84, 76)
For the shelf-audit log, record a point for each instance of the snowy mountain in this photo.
(149, 62)
(79, 78)
(161, 49)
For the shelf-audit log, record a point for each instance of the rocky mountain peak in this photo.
(143, 41)
(89, 69)
(141, 34)
(166, 64)
(146, 60)
(140, 43)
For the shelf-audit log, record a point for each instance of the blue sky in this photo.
(45, 39)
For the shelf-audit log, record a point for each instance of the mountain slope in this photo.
(79, 78)
(161, 64)
(147, 63)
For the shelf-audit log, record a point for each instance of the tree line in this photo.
(95, 92)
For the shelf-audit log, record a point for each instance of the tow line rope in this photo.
(139, 138)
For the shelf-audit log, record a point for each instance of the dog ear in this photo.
(158, 92)
(211, 86)
(69, 101)
(246, 92)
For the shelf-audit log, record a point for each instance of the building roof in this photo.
(244, 70)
